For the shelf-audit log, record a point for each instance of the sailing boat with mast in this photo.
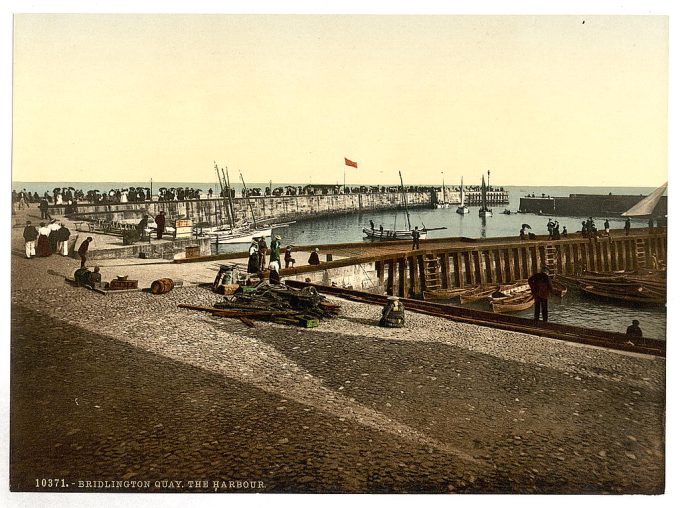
(233, 231)
(382, 234)
(462, 209)
(484, 211)
(443, 203)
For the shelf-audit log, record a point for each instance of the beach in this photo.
(127, 390)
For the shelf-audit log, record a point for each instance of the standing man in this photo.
(540, 289)
(82, 251)
(62, 234)
(416, 239)
(262, 252)
(43, 209)
(627, 226)
(288, 257)
(160, 225)
(274, 254)
(606, 227)
(30, 235)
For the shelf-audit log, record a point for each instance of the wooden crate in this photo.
(192, 251)
(183, 232)
(116, 284)
(183, 223)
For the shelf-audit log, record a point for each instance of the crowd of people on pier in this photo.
(70, 196)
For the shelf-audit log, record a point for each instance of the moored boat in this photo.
(397, 234)
(512, 303)
(443, 294)
(484, 211)
(462, 209)
(477, 293)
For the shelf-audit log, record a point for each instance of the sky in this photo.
(537, 100)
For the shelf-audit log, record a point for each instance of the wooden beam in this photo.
(391, 276)
(470, 268)
(511, 262)
(403, 291)
(460, 269)
(446, 268)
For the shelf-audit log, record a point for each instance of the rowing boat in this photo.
(443, 294)
(477, 293)
(512, 303)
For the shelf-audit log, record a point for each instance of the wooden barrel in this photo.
(160, 286)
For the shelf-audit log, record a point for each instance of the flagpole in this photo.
(344, 183)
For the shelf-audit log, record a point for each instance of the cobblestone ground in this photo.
(130, 388)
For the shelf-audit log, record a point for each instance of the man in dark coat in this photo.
(634, 329)
(141, 226)
(82, 251)
(626, 226)
(30, 235)
(540, 289)
(416, 239)
(160, 225)
(262, 252)
(43, 209)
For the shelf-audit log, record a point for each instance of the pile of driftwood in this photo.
(273, 302)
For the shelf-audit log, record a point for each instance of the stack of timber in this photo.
(274, 302)
(645, 287)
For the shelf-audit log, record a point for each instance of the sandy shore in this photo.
(130, 388)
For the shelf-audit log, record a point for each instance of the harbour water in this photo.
(573, 309)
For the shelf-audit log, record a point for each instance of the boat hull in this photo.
(391, 234)
(462, 210)
(516, 304)
(239, 237)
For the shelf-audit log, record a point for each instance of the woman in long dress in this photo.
(43, 248)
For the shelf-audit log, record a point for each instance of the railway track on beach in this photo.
(576, 334)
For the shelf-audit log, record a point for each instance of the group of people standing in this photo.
(257, 254)
(257, 257)
(554, 232)
(46, 240)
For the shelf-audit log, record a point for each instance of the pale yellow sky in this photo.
(537, 100)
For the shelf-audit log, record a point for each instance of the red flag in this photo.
(350, 163)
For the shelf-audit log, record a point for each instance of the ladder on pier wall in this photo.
(433, 278)
(640, 253)
(551, 258)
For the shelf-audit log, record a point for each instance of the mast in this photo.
(224, 194)
(248, 201)
(227, 183)
(443, 188)
(462, 193)
(483, 194)
(403, 196)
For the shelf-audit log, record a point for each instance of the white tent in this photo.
(647, 205)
